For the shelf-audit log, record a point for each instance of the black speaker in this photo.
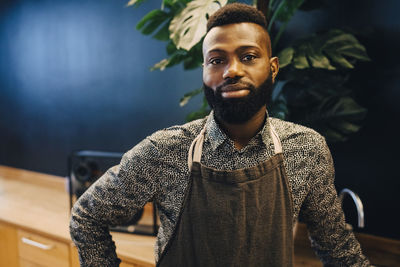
(85, 167)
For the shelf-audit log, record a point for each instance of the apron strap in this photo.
(275, 139)
(197, 145)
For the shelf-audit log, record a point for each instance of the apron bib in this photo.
(238, 218)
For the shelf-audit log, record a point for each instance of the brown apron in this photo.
(238, 218)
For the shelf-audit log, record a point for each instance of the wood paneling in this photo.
(38, 204)
(43, 251)
(8, 246)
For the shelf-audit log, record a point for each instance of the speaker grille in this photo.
(85, 167)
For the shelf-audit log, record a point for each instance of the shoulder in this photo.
(296, 134)
(177, 134)
(301, 143)
(307, 155)
(173, 142)
(164, 143)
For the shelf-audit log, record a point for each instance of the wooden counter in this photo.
(39, 203)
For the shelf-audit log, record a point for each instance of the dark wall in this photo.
(75, 75)
(368, 162)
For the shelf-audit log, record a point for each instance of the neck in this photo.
(241, 134)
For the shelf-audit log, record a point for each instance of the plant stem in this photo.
(270, 4)
(278, 35)
(277, 11)
(263, 6)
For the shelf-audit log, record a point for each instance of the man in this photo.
(228, 187)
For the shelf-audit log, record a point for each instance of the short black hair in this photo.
(236, 13)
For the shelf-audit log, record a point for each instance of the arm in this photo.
(322, 212)
(113, 199)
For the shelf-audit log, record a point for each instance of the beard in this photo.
(239, 110)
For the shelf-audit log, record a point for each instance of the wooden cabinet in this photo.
(124, 264)
(34, 232)
(22, 248)
(34, 225)
(8, 245)
(41, 250)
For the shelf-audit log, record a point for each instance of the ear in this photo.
(274, 64)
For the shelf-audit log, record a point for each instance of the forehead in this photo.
(233, 36)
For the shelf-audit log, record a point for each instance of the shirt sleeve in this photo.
(112, 200)
(323, 214)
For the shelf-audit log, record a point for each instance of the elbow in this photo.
(74, 227)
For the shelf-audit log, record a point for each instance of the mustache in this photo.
(236, 83)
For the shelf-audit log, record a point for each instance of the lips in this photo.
(236, 90)
(234, 87)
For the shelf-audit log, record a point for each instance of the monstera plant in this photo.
(311, 86)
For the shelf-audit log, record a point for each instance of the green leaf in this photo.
(345, 127)
(300, 59)
(317, 59)
(163, 33)
(149, 16)
(168, 3)
(191, 63)
(151, 27)
(312, 77)
(135, 3)
(333, 136)
(189, 26)
(161, 65)
(338, 36)
(356, 53)
(175, 59)
(151, 21)
(171, 48)
(344, 44)
(313, 89)
(318, 99)
(194, 58)
(347, 108)
(285, 57)
(332, 50)
(186, 97)
(339, 59)
(336, 118)
(191, 59)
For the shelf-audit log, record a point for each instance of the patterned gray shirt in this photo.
(156, 169)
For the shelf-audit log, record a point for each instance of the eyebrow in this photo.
(241, 48)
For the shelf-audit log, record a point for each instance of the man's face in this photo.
(237, 64)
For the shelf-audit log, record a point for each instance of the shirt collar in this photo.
(216, 136)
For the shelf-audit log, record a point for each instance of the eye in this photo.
(248, 58)
(216, 61)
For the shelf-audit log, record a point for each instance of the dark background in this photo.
(75, 75)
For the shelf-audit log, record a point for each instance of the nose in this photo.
(233, 70)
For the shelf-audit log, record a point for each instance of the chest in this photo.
(175, 175)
